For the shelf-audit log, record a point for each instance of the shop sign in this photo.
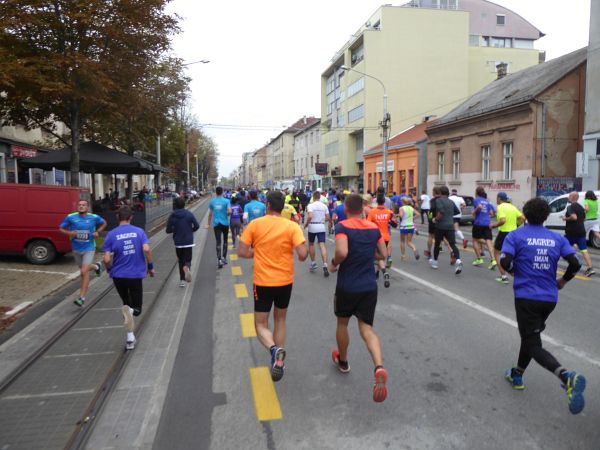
(321, 168)
(22, 152)
(379, 165)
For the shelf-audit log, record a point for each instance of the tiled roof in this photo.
(404, 139)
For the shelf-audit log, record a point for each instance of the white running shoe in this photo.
(313, 266)
(188, 275)
(433, 263)
(459, 267)
(130, 345)
(182, 284)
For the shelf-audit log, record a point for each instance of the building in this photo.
(520, 134)
(307, 146)
(259, 168)
(402, 161)
(425, 57)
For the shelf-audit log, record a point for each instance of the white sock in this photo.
(458, 261)
(460, 235)
(130, 337)
(131, 310)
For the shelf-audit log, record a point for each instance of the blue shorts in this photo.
(581, 242)
(407, 231)
(320, 237)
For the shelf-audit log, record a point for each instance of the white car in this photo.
(558, 208)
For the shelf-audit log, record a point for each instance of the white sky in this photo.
(266, 58)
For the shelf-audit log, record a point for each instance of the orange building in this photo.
(402, 160)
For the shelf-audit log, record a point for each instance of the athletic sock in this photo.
(272, 347)
(130, 337)
(378, 367)
(517, 371)
(562, 374)
(384, 271)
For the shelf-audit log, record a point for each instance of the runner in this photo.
(271, 241)
(424, 205)
(591, 214)
(407, 229)
(431, 223)
(575, 230)
(83, 227)
(304, 198)
(481, 232)
(183, 225)
(338, 212)
(445, 209)
(460, 204)
(381, 216)
(289, 212)
(509, 218)
(127, 258)
(235, 221)
(253, 209)
(367, 205)
(218, 218)
(356, 242)
(318, 215)
(531, 254)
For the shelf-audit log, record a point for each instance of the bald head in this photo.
(573, 196)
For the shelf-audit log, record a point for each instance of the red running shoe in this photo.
(379, 389)
(465, 243)
(342, 366)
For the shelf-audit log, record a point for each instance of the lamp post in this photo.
(385, 124)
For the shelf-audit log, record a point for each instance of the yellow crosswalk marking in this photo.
(236, 271)
(266, 403)
(240, 290)
(247, 323)
(233, 257)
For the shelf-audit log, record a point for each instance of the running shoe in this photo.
(224, 261)
(219, 264)
(417, 256)
(502, 279)
(188, 275)
(313, 267)
(433, 263)
(130, 345)
(388, 262)
(386, 280)
(515, 380)
(98, 270)
(459, 267)
(452, 259)
(465, 243)
(80, 301)
(574, 388)
(589, 272)
(427, 253)
(277, 365)
(325, 272)
(182, 284)
(492, 265)
(127, 318)
(379, 389)
(478, 262)
(342, 366)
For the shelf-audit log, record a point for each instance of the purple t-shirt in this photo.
(126, 244)
(236, 212)
(482, 219)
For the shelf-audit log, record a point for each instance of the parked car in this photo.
(467, 212)
(30, 215)
(558, 208)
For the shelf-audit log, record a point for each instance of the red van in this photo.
(30, 215)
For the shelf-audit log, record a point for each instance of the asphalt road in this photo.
(446, 342)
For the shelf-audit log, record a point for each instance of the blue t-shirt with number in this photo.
(536, 251)
(126, 243)
(255, 209)
(219, 206)
(85, 226)
(482, 219)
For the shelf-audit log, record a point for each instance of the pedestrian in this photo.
(460, 205)
(182, 224)
(575, 230)
(381, 217)
(481, 232)
(235, 220)
(270, 241)
(508, 219)
(253, 209)
(424, 206)
(407, 229)
(531, 254)
(358, 243)
(128, 258)
(445, 210)
(318, 216)
(83, 227)
(218, 218)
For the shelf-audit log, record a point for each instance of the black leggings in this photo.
(184, 258)
(131, 292)
(224, 231)
(236, 226)
(439, 237)
(531, 317)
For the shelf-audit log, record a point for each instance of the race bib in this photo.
(82, 235)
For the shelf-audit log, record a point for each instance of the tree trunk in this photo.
(74, 125)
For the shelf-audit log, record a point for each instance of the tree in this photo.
(68, 60)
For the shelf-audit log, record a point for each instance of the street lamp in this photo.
(384, 125)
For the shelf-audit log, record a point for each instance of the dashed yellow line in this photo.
(266, 403)
(579, 277)
(233, 257)
(230, 247)
(247, 324)
(240, 290)
(236, 271)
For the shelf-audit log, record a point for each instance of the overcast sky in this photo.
(266, 58)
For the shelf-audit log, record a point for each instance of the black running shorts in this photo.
(532, 316)
(266, 296)
(481, 232)
(500, 240)
(362, 305)
(431, 228)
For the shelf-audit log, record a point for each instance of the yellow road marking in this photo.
(233, 257)
(579, 277)
(236, 271)
(266, 403)
(247, 323)
(240, 290)
(231, 247)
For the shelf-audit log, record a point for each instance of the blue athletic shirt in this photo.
(483, 218)
(219, 206)
(255, 209)
(341, 214)
(126, 244)
(536, 251)
(85, 227)
(356, 274)
(236, 212)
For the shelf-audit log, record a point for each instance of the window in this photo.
(331, 149)
(411, 178)
(311, 162)
(356, 113)
(359, 141)
(357, 55)
(441, 166)
(402, 180)
(456, 164)
(500, 19)
(340, 119)
(508, 160)
(486, 156)
(500, 42)
(356, 87)
(474, 40)
(558, 205)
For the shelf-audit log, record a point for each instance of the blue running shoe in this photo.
(277, 365)
(574, 388)
(515, 380)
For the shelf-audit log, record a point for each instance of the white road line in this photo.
(16, 309)
(108, 327)
(77, 355)
(471, 304)
(39, 271)
(46, 395)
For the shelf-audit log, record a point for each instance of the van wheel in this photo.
(40, 252)
(594, 240)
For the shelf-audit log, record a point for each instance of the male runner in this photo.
(218, 218)
(531, 253)
(271, 241)
(460, 204)
(431, 222)
(253, 209)
(83, 227)
(482, 234)
(508, 219)
(128, 257)
(357, 242)
(235, 220)
(575, 230)
(318, 215)
(381, 216)
(445, 209)
(182, 224)
(424, 205)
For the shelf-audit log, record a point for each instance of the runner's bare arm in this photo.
(244, 250)
(341, 253)
(148, 254)
(209, 221)
(302, 252)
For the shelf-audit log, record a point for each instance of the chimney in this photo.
(502, 70)
(304, 120)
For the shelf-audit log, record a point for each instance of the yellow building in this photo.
(430, 55)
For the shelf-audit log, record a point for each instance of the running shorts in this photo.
(500, 240)
(532, 315)
(456, 220)
(580, 242)
(362, 305)
(431, 228)
(320, 237)
(481, 232)
(407, 231)
(266, 296)
(85, 258)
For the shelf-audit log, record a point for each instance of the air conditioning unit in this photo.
(336, 171)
